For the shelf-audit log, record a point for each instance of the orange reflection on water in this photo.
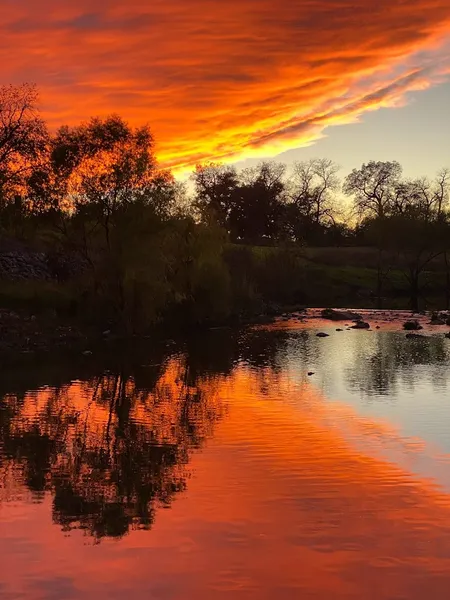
(280, 504)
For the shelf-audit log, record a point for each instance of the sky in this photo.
(242, 80)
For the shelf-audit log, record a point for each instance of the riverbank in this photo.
(25, 333)
(425, 323)
(26, 336)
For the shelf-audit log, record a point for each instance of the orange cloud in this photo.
(224, 80)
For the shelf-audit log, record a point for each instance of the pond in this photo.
(263, 463)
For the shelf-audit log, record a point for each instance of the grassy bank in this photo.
(240, 284)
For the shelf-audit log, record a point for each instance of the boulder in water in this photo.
(339, 315)
(361, 325)
(438, 319)
(412, 325)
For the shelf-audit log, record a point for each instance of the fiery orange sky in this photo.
(224, 80)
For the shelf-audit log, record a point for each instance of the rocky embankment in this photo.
(18, 266)
(22, 332)
(22, 264)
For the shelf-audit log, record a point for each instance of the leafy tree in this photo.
(23, 138)
(373, 187)
(257, 211)
(247, 205)
(215, 192)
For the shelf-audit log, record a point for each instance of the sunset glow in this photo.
(224, 80)
(278, 489)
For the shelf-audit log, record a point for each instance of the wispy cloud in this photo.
(224, 80)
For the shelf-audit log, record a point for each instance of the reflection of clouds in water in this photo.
(373, 363)
(293, 494)
(387, 377)
(392, 363)
(379, 438)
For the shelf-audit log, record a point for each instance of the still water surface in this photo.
(219, 468)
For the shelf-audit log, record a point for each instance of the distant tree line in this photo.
(96, 189)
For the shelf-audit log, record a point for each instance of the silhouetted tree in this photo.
(373, 187)
(415, 242)
(257, 210)
(23, 137)
(312, 186)
(311, 192)
(215, 192)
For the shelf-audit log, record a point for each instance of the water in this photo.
(218, 468)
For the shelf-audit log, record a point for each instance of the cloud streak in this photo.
(224, 80)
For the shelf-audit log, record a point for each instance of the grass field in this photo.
(347, 276)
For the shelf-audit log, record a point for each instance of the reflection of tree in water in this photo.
(112, 448)
(108, 451)
(219, 351)
(394, 360)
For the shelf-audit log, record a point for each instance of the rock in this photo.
(107, 332)
(19, 265)
(412, 325)
(322, 334)
(339, 315)
(87, 352)
(361, 325)
(414, 335)
(447, 335)
(437, 319)
(25, 264)
(339, 330)
(377, 327)
(310, 373)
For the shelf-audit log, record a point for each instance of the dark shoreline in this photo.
(26, 338)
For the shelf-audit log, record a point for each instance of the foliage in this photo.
(374, 187)
(23, 138)
(240, 245)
